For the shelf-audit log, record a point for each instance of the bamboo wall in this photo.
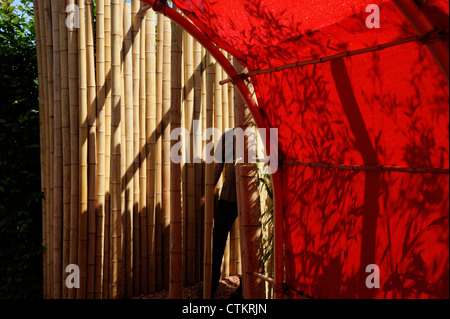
(111, 91)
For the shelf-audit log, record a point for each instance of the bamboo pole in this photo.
(92, 148)
(204, 127)
(43, 102)
(176, 266)
(190, 187)
(209, 183)
(136, 48)
(124, 196)
(45, 223)
(143, 158)
(74, 144)
(101, 150)
(83, 149)
(234, 235)
(150, 53)
(159, 117)
(249, 215)
(166, 149)
(129, 124)
(50, 146)
(108, 75)
(57, 165)
(196, 155)
(184, 136)
(65, 130)
(204, 92)
(226, 118)
(116, 220)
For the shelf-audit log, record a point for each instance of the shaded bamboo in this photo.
(43, 102)
(150, 54)
(209, 183)
(129, 164)
(101, 150)
(142, 159)
(92, 147)
(176, 265)
(249, 209)
(196, 155)
(158, 183)
(83, 149)
(116, 220)
(66, 152)
(225, 109)
(190, 168)
(74, 144)
(166, 149)
(107, 86)
(136, 50)
(57, 155)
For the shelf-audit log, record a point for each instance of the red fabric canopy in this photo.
(388, 108)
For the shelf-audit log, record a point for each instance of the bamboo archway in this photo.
(107, 109)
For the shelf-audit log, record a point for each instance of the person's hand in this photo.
(202, 201)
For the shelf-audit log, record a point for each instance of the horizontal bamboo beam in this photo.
(427, 38)
(383, 168)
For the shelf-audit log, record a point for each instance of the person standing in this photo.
(227, 209)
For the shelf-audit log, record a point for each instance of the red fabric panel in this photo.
(388, 107)
(338, 222)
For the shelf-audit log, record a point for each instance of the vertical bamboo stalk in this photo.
(65, 130)
(204, 92)
(107, 210)
(57, 165)
(83, 154)
(150, 53)
(46, 211)
(128, 73)
(196, 156)
(249, 212)
(43, 100)
(226, 117)
(209, 183)
(176, 266)
(235, 230)
(124, 196)
(92, 147)
(136, 48)
(230, 97)
(83, 149)
(74, 145)
(47, 17)
(166, 148)
(204, 127)
(143, 158)
(218, 112)
(101, 150)
(159, 118)
(190, 175)
(116, 219)
(184, 138)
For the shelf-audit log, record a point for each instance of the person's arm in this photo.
(218, 168)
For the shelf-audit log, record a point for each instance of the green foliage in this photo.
(265, 182)
(20, 195)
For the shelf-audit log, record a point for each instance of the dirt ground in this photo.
(226, 287)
